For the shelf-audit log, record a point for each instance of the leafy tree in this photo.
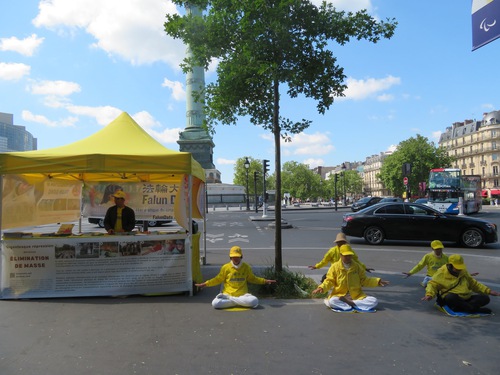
(298, 180)
(240, 174)
(423, 156)
(264, 47)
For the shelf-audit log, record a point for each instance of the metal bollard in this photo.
(227, 207)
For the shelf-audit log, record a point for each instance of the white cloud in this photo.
(40, 119)
(131, 29)
(347, 5)
(436, 135)
(222, 161)
(56, 88)
(177, 88)
(13, 71)
(313, 163)
(385, 98)
(358, 89)
(25, 47)
(149, 123)
(103, 115)
(308, 144)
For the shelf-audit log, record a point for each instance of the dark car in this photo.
(151, 223)
(391, 199)
(365, 202)
(421, 200)
(412, 221)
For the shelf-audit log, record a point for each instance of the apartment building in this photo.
(476, 147)
(371, 184)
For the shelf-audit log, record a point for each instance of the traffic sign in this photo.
(405, 180)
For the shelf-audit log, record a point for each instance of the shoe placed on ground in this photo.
(326, 301)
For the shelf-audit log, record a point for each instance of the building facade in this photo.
(475, 145)
(14, 137)
(371, 184)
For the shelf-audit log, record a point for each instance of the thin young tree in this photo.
(266, 49)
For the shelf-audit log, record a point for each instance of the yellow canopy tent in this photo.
(122, 151)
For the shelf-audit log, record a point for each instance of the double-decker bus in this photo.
(448, 185)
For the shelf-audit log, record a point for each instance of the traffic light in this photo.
(265, 166)
(336, 177)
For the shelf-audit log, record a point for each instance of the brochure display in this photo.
(94, 265)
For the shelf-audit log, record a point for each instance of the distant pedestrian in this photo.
(345, 279)
(235, 277)
(454, 287)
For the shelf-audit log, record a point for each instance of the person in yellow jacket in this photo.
(433, 261)
(333, 255)
(235, 277)
(346, 278)
(454, 287)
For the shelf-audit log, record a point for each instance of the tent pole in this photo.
(190, 256)
(1, 206)
(205, 210)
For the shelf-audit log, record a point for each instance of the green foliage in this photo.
(422, 154)
(298, 180)
(260, 44)
(353, 184)
(288, 285)
(264, 49)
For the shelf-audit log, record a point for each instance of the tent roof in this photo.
(120, 151)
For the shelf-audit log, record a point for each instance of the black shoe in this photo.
(483, 310)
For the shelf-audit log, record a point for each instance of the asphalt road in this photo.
(185, 335)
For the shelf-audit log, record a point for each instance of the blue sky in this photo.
(68, 68)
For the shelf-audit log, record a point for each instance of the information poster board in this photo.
(94, 266)
(150, 201)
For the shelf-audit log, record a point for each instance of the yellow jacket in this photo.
(463, 285)
(343, 281)
(432, 262)
(333, 255)
(235, 280)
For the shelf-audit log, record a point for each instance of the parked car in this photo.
(151, 223)
(421, 200)
(413, 221)
(391, 199)
(365, 202)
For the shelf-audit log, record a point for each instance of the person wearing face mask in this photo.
(346, 278)
(455, 288)
(234, 277)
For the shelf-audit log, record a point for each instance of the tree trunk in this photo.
(278, 262)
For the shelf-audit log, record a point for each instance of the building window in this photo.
(495, 170)
(483, 171)
(495, 182)
(494, 156)
(493, 145)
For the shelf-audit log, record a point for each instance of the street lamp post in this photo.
(247, 166)
(343, 179)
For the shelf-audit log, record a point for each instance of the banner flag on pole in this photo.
(485, 22)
